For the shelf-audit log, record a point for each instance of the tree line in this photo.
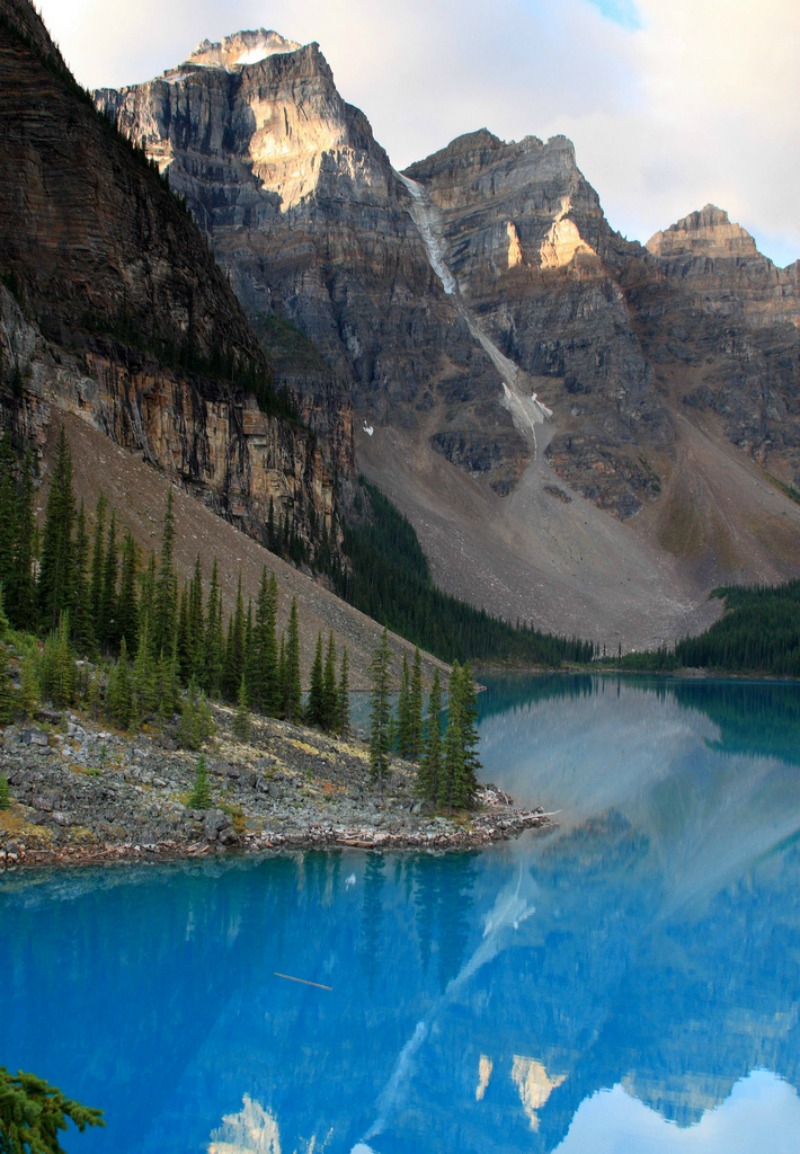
(93, 596)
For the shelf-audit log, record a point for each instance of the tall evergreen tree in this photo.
(292, 686)
(195, 625)
(214, 641)
(264, 675)
(330, 698)
(430, 769)
(342, 724)
(107, 623)
(127, 605)
(119, 693)
(98, 562)
(165, 610)
(235, 648)
(241, 719)
(58, 674)
(56, 564)
(82, 622)
(403, 722)
(314, 708)
(380, 712)
(415, 702)
(459, 780)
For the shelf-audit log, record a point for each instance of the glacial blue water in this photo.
(629, 984)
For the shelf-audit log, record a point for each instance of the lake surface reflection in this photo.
(628, 983)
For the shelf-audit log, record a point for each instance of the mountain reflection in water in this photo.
(627, 983)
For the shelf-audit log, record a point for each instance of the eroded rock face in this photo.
(118, 311)
(534, 257)
(312, 225)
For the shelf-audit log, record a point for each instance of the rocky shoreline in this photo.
(82, 794)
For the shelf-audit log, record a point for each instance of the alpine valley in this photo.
(586, 433)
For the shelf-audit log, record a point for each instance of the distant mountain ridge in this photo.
(445, 298)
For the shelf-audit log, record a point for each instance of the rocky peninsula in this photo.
(81, 793)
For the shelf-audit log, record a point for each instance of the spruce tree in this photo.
(195, 625)
(119, 693)
(58, 674)
(197, 722)
(263, 668)
(314, 708)
(292, 688)
(165, 610)
(403, 716)
(82, 622)
(98, 562)
(415, 701)
(234, 648)
(107, 624)
(380, 712)
(145, 681)
(342, 724)
(7, 695)
(5, 794)
(330, 698)
(459, 782)
(56, 565)
(214, 641)
(127, 605)
(33, 1114)
(200, 797)
(430, 769)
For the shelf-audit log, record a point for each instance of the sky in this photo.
(671, 104)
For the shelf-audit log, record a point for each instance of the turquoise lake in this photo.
(627, 984)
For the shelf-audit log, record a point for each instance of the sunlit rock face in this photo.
(717, 259)
(312, 225)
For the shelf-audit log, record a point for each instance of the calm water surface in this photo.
(628, 984)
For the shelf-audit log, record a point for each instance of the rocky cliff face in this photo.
(308, 218)
(114, 308)
(569, 419)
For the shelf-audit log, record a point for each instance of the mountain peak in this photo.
(240, 49)
(708, 232)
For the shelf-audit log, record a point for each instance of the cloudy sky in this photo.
(672, 104)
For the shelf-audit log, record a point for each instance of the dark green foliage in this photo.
(759, 633)
(389, 580)
(262, 659)
(290, 669)
(458, 781)
(58, 673)
(165, 608)
(56, 573)
(380, 733)
(33, 1113)
(119, 691)
(5, 795)
(200, 797)
(214, 640)
(22, 584)
(98, 560)
(234, 663)
(127, 605)
(107, 626)
(197, 722)
(330, 696)
(83, 633)
(315, 709)
(430, 769)
(342, 722)
(8, 703)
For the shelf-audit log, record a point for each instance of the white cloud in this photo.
(671, 103)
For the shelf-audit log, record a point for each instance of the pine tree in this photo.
(234, 649)
(314, 708)
(342, 724)
(200, 797)
(330, 699)
(33, 1114)
(58, 674)
(119, 692)
(127, 606)
(56, 566)
(197, 722)
(241, 719)
(381, 713)
(403, 716)
(430, 769)
(195, 626)
(107, 624)
(214, 641)
(98, 562)
(7, 695)
(28, 686)
(145, 682)
(82, 623)
(263, 672)
(5, 794)
(415, 697)
(165, 609)
(459, 780)
(292, 688)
